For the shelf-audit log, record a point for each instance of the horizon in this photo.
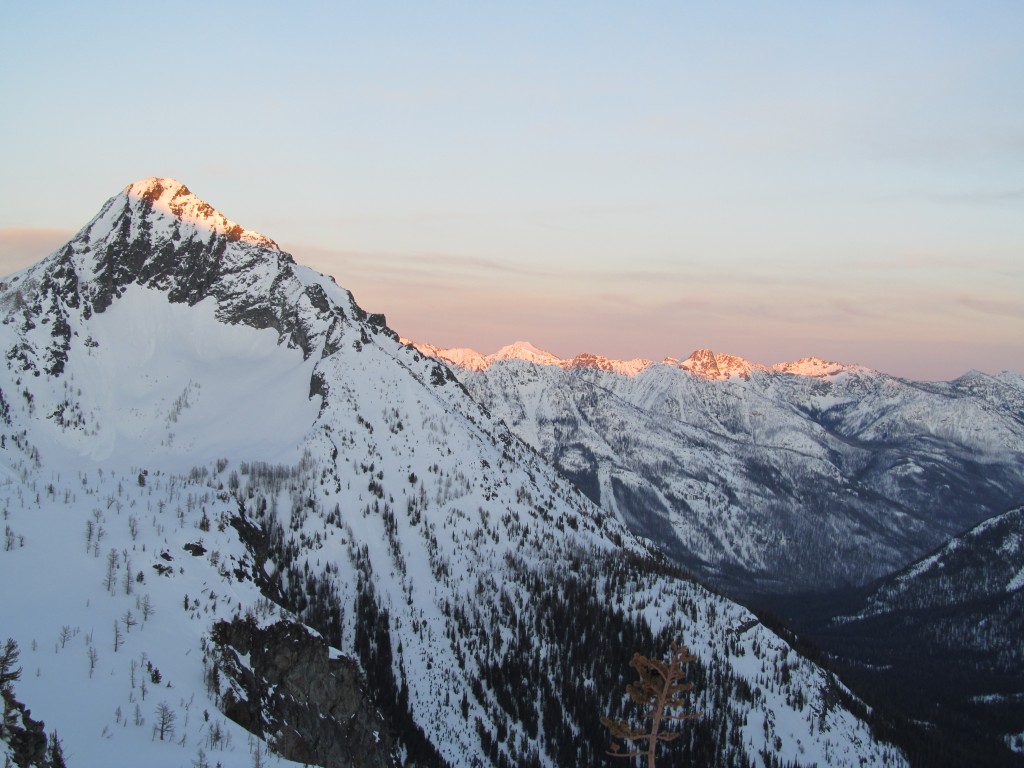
(771, 183)
(19, 252)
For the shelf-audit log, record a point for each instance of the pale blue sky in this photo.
(772, 180)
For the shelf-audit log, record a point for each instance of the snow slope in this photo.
(945, 634)
(198, 433)
(806, 475)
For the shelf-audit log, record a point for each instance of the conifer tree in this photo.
(661, 692)
(55, 752)
(9, 672)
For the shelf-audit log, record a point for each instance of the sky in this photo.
(770, 180)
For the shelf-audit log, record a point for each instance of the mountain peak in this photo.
(812, 366)
(156, 187)
(524, 350)
(703, 363)
(709, 365)
(170, 196)
(157, 235)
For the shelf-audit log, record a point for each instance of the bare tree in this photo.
(127, 575)
(165, 717)
(98, 533)
(146, 606)
(258, 755)
(111, 578)
(65, 635)
(660, 691)
(129, 620)
(118, 637)
(93, 658)
(215, 736)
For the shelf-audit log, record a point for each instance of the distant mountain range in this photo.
(805, 475)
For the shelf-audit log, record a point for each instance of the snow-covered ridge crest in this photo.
(174, 198)
(471, 360)
(524, 350)
(728, 464)
(991, 554)
(703, 363)
(815, 366)
(622, 367)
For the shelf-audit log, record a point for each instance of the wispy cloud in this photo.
(1005, 261)
(22, 246)
(420, 270)
(996, 307)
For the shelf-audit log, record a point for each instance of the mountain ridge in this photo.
(701, 362)
(940, 637)
(276, 464)
(808, 473)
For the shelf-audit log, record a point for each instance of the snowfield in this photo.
(196, 431)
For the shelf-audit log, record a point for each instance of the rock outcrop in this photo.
(283, 685)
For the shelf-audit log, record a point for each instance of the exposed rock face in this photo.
(283, 686)
(703, 363)
(192, 255)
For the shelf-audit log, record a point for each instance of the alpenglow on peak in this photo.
(172, 197)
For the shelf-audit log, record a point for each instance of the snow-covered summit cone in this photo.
(172, 197)
(524, 350)
(157, 234)
(119, 291)
(464, 357)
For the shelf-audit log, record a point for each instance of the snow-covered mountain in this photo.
(809, 474)
(240, 515)
(942, 637)
(986, 562)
